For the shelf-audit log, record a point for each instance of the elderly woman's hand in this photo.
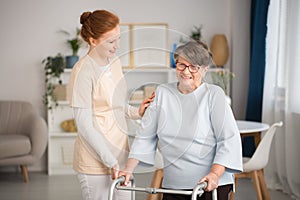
(213, 177)
(127, 174)
(212, 180)
(128, 170)
(145, 104)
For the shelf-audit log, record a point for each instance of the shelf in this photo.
(68, 70)
(63, 134)
(148, 69)
(61, 170)
(63, 103)
(137, 69)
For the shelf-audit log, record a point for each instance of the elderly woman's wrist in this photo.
(215, 174)
(128, 169)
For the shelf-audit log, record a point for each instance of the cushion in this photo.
(14, 145)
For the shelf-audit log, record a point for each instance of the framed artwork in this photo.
(144, 45)
(124, 50)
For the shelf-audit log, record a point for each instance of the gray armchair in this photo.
(23, 135)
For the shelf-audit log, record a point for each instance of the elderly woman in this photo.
(194, 128)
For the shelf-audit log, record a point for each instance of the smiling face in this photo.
(192, 62)
(107, 45)
(188, 81)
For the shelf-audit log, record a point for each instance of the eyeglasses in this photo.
(181, 67)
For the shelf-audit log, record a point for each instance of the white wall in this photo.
(240, 56)
(29, 33)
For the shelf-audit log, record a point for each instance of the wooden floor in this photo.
(42, 186)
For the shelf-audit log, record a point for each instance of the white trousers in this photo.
(96, 187)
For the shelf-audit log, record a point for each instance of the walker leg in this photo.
(113, 185)
(214, 194)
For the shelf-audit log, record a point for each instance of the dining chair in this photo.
(253, 167)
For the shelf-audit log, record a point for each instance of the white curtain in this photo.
(281, 100)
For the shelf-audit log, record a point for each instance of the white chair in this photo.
(253, 167)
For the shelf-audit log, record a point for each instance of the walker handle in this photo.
(116, 182)
(202, 186)
(198, 189)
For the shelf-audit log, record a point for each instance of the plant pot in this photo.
(71, 60)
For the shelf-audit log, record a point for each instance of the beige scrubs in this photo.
(103, 89)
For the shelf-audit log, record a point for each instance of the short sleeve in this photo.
(81, 87)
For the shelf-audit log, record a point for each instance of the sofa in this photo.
(23, 135)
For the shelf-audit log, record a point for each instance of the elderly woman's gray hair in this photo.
(196, 53)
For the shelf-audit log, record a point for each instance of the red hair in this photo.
(97, 23)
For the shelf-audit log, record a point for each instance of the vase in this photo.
(219, 49)
(71, 60)
(172, 60)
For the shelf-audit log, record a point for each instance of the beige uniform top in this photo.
(103, 89)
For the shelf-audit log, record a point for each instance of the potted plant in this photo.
(196, 33)
(74, 43)
(221, 77)
(53, 66)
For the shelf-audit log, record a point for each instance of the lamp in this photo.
(219, 49)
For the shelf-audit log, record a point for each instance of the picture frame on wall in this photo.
(124, 50)
(144, 45)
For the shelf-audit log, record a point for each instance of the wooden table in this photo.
(251, 128)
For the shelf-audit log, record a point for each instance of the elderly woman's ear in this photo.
(203, 68)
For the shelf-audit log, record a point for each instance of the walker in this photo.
(198, 189)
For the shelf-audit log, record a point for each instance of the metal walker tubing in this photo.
(198, 189)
